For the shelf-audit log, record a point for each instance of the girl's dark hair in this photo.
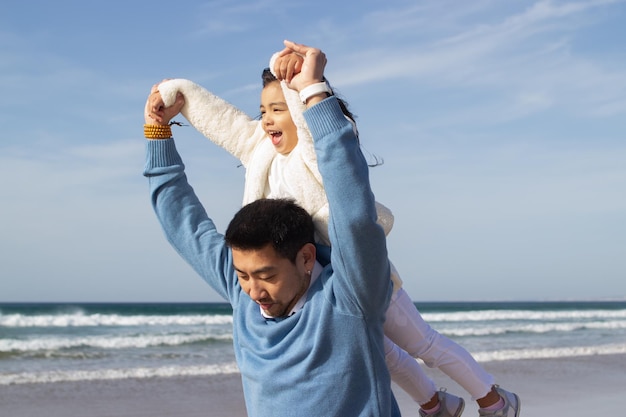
(267, 77)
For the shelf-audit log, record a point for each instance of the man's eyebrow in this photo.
(261, 270)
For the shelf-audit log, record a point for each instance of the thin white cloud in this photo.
(223, 17)
(470, 44)
(524, 63)
(80, 171)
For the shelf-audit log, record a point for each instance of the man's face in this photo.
(273, 282)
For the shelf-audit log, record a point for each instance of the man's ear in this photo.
(308, 252)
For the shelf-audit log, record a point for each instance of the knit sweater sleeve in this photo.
(359, 252)
(313, 199)
(184, 220)
(218, 120)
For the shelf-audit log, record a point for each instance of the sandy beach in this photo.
(573, 387)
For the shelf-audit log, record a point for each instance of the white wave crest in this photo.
(231, 367)
(535, 328)
(548, 353)
(79, 319)
(112, 374)
(496, 315)
(106, 342)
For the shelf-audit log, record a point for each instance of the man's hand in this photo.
(312, 71)
(155, 112)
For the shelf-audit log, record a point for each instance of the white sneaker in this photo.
(511, 405)
(450, 406)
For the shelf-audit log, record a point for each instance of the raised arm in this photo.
(214, 117)
(312, 196)
(183, 218)
(359, 254)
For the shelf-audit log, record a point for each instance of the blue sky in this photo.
(502, 127)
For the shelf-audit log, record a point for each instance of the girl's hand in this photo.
(286, 66)
(155, 112)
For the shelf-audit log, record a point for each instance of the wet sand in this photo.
(573, 387)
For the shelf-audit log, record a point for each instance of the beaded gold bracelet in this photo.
(157, 131)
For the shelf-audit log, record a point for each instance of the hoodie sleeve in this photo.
(218, 120)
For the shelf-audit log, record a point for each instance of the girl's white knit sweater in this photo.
(244, 138)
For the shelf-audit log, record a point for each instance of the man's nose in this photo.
(257, 291)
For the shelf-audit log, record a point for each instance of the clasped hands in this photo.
(298, 65)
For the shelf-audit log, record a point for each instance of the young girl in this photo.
(280, 161)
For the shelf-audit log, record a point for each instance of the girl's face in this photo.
(276, 119)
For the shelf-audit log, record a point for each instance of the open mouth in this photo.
(275, 136)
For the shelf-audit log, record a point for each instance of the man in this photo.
(308, 338)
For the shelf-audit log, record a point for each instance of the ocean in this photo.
(44, 343)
